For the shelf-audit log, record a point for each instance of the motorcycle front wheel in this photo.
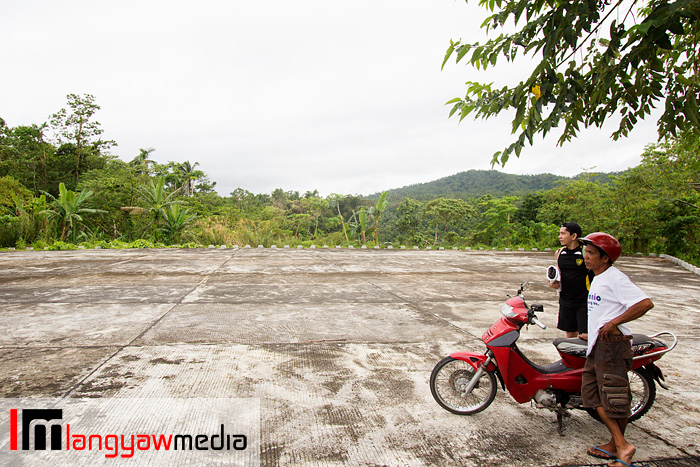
(643, 394)
(448, 381)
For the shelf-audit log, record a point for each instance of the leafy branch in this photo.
(628, 73)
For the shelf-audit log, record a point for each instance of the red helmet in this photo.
(605, 242)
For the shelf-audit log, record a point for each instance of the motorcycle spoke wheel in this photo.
(643, 393)
(448, 381)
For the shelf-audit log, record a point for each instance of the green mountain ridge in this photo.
(475, 183)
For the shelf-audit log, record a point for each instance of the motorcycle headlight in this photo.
(507, 311)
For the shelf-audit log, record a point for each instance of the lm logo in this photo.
(45, 423)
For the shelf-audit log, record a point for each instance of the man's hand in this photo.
(609, 329)
(554, 285)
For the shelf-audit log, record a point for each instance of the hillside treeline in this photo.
(474, 183)
(60, 186)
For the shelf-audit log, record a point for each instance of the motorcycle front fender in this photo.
(474, 359)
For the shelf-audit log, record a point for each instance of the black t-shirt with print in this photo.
(574, 277)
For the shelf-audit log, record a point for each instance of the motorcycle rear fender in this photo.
(657, 374)
(474, 359)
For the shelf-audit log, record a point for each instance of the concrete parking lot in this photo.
(337, 344)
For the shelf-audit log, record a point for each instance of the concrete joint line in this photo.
(421, 309)
(148, 328)
(663, 440)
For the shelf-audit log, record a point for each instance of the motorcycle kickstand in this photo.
(560, 424)
(561, 413)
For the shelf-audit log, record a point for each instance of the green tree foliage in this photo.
(11, 190)
(529, 206)
(28, 157)
(577, 201)
(118, 185)
(20, 213)
(495, 225)
(410, 216)
(665, 214)
(652, 207)
(316, 207)
(442, 212)
(78, 135)
(595, 60)
(334, 200)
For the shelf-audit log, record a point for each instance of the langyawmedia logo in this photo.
(189, 431)
(123, 445)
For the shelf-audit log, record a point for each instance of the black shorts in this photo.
(573, 317)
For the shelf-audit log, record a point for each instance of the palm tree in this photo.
(68, 211)
(141, 161)
(189, 175)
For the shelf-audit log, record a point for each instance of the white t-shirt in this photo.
(611, 294)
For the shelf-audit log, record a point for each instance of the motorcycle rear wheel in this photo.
(643, 394)
(449, 379)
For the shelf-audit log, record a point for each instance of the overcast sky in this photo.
(343, 97)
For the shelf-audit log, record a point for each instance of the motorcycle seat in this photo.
(571, 346)
(577, 347)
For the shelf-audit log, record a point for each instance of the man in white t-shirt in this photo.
(613, 301)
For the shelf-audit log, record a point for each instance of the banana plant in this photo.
(158, 199)
(176, 219)
(67, 210)
(358, 222)
(377, 211)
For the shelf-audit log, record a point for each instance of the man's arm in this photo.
(635, 311)
(556, 284)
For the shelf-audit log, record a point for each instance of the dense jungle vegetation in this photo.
(60, 187)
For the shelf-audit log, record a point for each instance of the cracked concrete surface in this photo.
(338, 345)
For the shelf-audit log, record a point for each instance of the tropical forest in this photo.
(61, 187)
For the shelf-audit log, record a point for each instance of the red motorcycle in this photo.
(465, 382)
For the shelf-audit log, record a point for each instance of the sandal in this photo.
(607, 456)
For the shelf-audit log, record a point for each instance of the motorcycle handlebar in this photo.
(522, 288)
(538, 322)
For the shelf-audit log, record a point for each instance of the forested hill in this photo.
(474, 183)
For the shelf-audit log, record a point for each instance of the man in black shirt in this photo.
(574, 282)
